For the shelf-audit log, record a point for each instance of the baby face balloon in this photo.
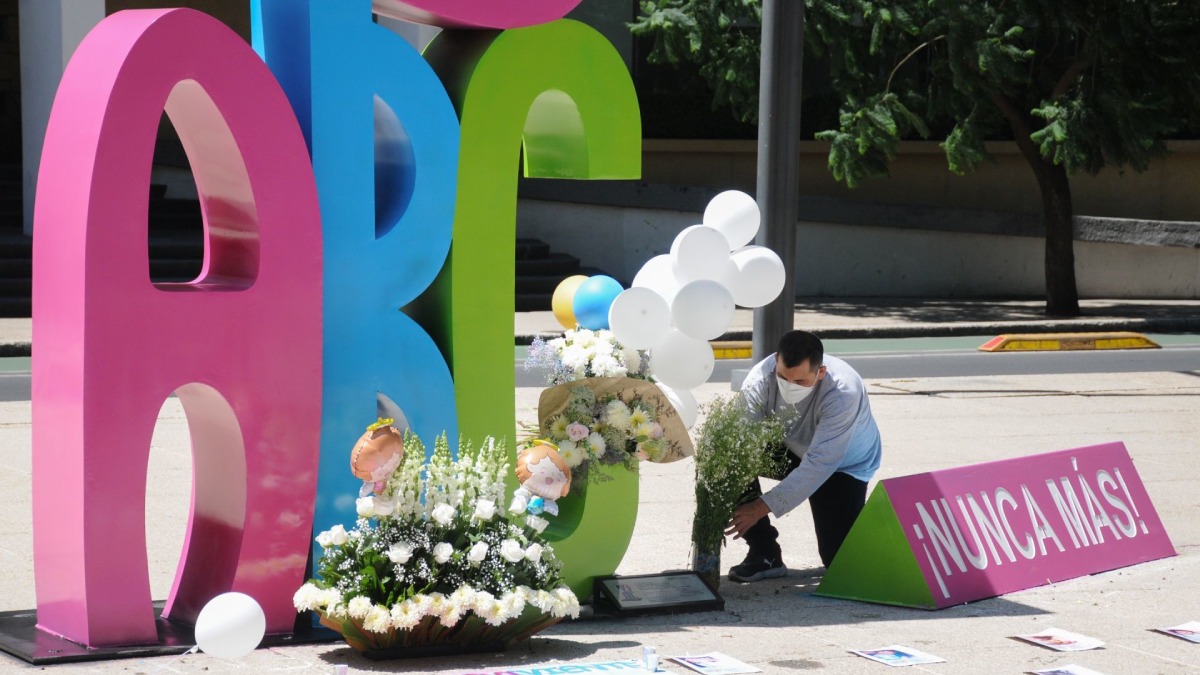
(377, 453)
(543, 472)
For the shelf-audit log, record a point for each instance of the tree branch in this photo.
(908, 56)
(1022, 130)
(1081, 63)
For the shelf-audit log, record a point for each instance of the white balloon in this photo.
(699, 252)
(230, 626)
(658, 276)
(682, 362)
(639, 318)
(735, 215)
(760, 276)
(684, 403)
(702, 309)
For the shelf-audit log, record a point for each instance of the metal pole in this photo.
(779, 159)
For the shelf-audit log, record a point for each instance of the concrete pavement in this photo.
(777, 625)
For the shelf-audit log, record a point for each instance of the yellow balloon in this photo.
(563, 300)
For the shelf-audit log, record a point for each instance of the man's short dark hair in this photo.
(798, 346)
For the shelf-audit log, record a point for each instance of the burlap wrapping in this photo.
(553, 402)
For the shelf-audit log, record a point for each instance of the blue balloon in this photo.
(592, 300)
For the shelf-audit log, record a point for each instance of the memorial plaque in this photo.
(666, 593)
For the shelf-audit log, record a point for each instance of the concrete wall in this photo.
(847, 259)
(1167, 191)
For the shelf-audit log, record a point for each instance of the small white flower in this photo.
(359, 607)
(512, 604)
(537, 523)
(484, 509)
(478, 552)
(565, 603)
(404, 615)
(378, 619)
(443, 514)
(400, 552)
(334, 536)
(632, 359)
(442, 553)
(534, 552)
(511, 551)
(543, 600)
(572, 454)
(597, 444)
(365, 506)
(616, 415)
(307, 597)
(607, 365)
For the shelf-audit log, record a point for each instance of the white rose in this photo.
(334, 536)
(478, 552)
(511, 551)
(365, 506)
(400, 552)
(384, 507)
(519, 504)
(484, 509)
(443, 514)
(442, 552)
(534, 552)
(537, 523)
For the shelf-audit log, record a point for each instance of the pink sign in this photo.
(983, 530)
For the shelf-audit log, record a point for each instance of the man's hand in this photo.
(745, 516)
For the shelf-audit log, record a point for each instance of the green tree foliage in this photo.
(1077, 84)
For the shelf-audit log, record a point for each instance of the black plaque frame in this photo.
(664, 593)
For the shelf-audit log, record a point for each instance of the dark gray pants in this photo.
(835, 506)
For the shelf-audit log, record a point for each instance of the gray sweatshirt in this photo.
(833, 431)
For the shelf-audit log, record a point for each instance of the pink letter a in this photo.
(241, 345)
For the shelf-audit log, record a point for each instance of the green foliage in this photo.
(722, 37)
(1089, 82)
(730, 453)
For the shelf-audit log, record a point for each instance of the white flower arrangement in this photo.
(584, 353)
(440, 562)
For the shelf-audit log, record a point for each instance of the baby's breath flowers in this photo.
(731, 451)
(440, 562)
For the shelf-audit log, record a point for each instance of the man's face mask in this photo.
(793, 393)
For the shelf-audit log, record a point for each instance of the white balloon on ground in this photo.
(734, 214)
(698, 252)
(639, 318)
(658, 275)
(760, 276)
(702, 309)
(230, 626)
(684, 403)
(682, 362)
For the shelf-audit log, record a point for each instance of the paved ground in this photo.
(777, 625)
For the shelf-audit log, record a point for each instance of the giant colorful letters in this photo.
(294, 327)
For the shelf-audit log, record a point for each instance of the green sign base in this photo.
(876, 563)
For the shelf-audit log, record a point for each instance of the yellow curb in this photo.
(1042, 342)
(736, 349)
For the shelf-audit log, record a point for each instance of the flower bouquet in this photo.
(731, 451)
(434, 561)
(601, 407)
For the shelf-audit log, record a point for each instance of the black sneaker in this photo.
(758, 567)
